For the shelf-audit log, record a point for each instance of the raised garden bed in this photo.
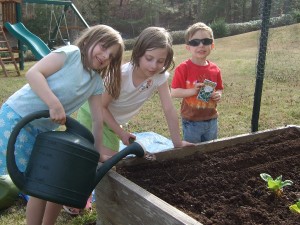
(213, 183)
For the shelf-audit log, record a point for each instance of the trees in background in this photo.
(132, 16)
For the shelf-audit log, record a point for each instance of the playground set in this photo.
(12, 22)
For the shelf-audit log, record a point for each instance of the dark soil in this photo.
(225, 187)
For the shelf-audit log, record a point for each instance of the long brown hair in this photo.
(108, 37)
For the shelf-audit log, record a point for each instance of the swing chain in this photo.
(52, 40)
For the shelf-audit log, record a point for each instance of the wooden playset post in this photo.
(11, 12)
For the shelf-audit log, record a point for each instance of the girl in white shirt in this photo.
(152, 56)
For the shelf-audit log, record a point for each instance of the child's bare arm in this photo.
(96, 108)
(171, 116)
(36, 77)
(184, 93)
(112, 123)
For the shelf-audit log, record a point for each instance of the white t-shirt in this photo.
(132, 98)
(72, 84)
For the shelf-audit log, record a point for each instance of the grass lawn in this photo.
(237, 58)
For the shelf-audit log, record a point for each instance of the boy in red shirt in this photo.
(199, 82)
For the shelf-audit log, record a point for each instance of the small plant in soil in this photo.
(275, 185)
(295, 207)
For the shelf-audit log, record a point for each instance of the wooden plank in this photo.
(3, 49)
(120, 201)
(9, 11)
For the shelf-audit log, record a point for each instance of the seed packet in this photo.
(206, 91)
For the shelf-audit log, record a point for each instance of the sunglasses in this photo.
(196, 42)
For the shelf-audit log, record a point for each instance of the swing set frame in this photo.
(67, 5)
(53, 33)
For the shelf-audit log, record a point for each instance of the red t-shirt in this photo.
(185, 76)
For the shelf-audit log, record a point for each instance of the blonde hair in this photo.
(152, 38)
(196, 27)
(108, 37)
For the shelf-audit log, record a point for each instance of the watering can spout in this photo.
(134, 148)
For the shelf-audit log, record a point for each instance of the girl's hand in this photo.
(57, 114)
(186, 144)
(126, 136)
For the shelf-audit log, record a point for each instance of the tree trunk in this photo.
(199, 10)
(254, 9)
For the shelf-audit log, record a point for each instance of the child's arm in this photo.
(184, 93)
(112, 123)
(95, 103)
(171, 115)
(36, 77)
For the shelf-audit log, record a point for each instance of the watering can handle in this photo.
(13, 170)
(72, 126)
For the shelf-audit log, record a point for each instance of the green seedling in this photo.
(276, 185)
(295, 207)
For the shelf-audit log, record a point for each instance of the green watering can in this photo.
(62, 167)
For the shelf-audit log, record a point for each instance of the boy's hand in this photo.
(198, 85)
(216, 96)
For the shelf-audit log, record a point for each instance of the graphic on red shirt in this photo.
(193, 102)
